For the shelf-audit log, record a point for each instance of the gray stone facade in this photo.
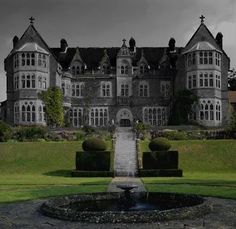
(103, 86)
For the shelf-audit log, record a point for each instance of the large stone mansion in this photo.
(116, 85)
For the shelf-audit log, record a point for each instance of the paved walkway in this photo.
(125, 152)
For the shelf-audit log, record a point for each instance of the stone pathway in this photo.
(125, 152)
(126, 180)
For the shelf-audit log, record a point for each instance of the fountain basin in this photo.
(107, 207)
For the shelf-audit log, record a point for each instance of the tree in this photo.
(182, 107)
(53, 100)
(232, 80)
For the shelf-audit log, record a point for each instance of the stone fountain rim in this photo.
(54, 208)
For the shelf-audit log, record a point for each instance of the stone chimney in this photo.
(64, 45)
(15, 40)
(219, 39)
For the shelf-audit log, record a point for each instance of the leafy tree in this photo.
(53, 100)
(182, 107)
(232, 125)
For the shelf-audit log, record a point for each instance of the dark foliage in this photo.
(182, 106)
(93, 161)
(94, 144)
(159, 144)
(5, 132)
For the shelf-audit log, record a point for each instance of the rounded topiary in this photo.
(94, 144)
(159, 144)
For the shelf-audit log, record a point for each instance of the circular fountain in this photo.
(126, 207)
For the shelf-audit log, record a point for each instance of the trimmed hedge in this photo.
(94, 144)
(159, 144)
(93, 161)
(160, 160)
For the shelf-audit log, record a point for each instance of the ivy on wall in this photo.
(182, 106)
(53, 100)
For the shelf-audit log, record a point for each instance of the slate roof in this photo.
(93, 56)
(202, 45)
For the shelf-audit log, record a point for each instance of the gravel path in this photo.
(26, 215)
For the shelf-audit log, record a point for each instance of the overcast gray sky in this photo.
(106, 22)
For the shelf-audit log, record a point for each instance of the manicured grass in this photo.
(31, 170)
(209, 169)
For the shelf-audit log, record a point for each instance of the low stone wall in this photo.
(60, 208)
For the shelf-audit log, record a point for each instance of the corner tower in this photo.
(206, 67)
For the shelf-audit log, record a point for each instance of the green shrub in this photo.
(88, 129)
(159, 144)
(5, 132)
(80, 135)
(29, 133)
(94, 144)
(176, 135)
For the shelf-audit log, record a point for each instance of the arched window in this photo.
(23, 115)
(210, 110)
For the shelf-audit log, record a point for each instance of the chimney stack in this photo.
(219, 39)
(15, 40)
(64, 45)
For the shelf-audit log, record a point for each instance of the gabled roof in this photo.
(203, 29)
(31, 35)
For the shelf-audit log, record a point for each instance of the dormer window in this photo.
(77, 69)
(105, 69)
(143, 68)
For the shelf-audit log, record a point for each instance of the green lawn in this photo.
(209, 169)
(31, 170)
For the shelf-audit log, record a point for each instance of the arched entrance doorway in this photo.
(124, 117)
